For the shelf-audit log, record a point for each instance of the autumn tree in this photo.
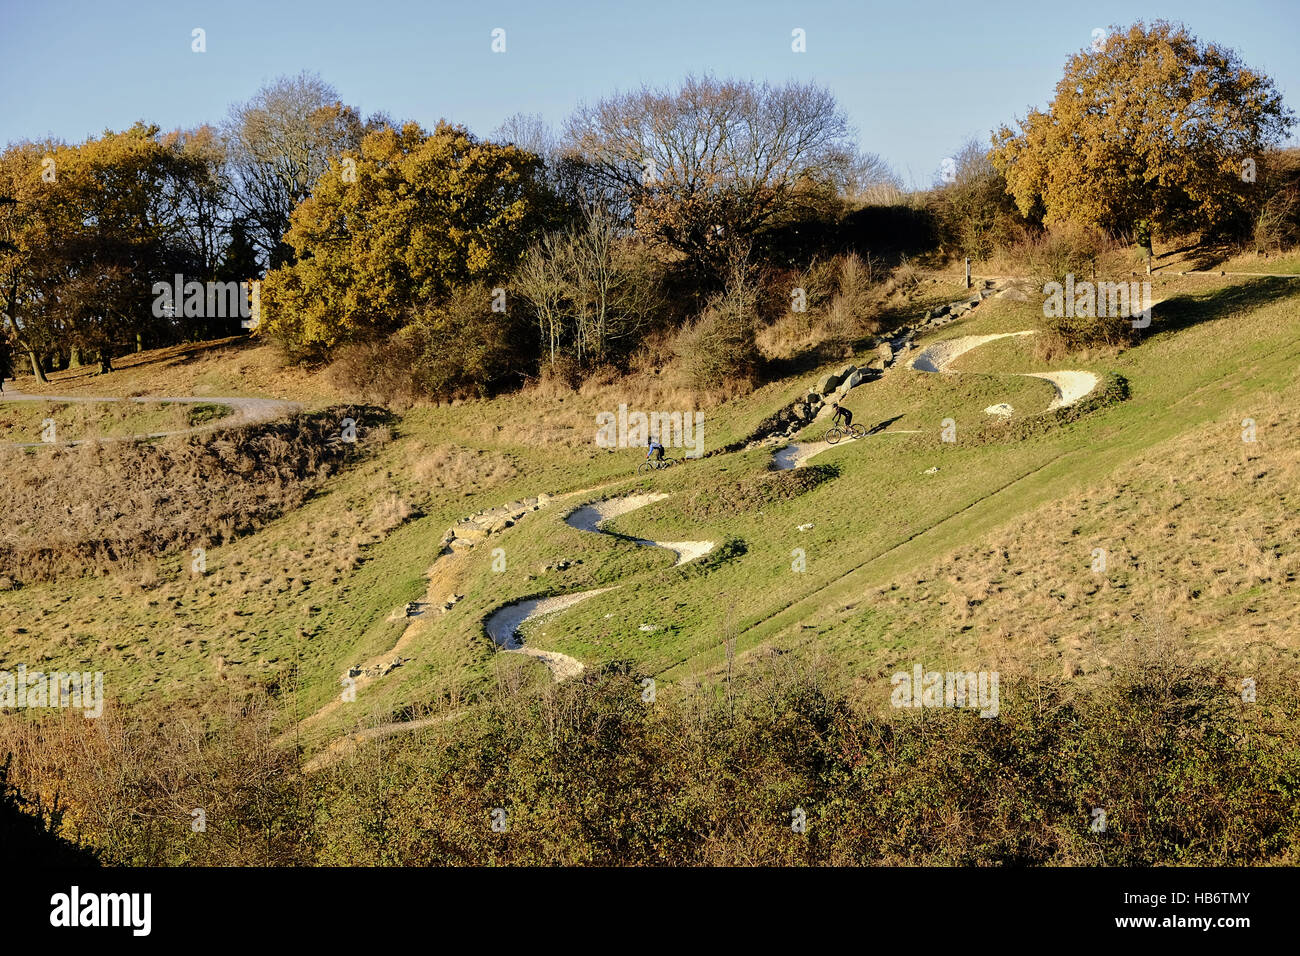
(705, 168)
(414, 218)
(1148, 133)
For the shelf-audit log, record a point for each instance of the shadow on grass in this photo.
(1183, 311)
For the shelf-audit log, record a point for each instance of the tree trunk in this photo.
(105, 363)
(36, 368)
(74, 357)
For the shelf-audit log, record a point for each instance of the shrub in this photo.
(718, 350)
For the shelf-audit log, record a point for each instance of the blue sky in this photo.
(916, 78)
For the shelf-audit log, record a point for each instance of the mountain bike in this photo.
(651, 464)
(836, 432)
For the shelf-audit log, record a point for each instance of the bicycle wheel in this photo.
(859, 431)
(833, 434)
(646, 467)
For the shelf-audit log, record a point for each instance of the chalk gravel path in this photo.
(245, 411)
(1071, 385)
(503, 625)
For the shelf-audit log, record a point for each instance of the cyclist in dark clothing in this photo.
(841, 412)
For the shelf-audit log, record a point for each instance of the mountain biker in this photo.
(654, 450)
(841, 412)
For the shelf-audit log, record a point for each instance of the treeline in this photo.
(1163, 764)
(470, 264)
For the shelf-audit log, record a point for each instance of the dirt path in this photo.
(1071, 385)
(503, 626)
(245, 411)
(591, 517)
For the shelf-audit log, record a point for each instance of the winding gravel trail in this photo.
(504, 623)
(1070, 384)
(245, 411)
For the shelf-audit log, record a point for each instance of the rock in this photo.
(845, 372)
(543, 499)
(472, 534)
(1015, 295)
(804, 527)
(826, 383)
(812, 398)
(886, 352)
(1002, 408)
(931, 471)
(853, 380)
(647, 628)
(500, 525)
(801, 411)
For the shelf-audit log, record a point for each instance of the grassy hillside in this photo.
(975, 554)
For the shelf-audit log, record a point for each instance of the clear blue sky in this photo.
(916, 78)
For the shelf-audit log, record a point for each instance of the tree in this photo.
(590, 288)
(707, 167)
(974, 210)
(416, 217)
(1148, 133)
(91, 228)
(280, 142)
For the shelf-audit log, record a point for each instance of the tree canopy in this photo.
(1148, 132)
(413, 218)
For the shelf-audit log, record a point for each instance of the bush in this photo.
(718, 350)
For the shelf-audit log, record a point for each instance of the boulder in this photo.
(886, 352)
(846, 371)
(826, 383)
(854, 380)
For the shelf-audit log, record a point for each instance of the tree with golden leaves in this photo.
(412, 219)
(1151, 131)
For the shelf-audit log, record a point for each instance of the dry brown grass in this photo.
(98, 507)
(1202, 542)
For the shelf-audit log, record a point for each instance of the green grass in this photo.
(313, 592)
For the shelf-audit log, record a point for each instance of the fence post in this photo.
(968, 272)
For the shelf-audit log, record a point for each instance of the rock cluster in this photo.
(467, 532)
(890, 350)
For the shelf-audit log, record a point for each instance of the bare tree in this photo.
(279, 143)
(712, 164)
(589, 286)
